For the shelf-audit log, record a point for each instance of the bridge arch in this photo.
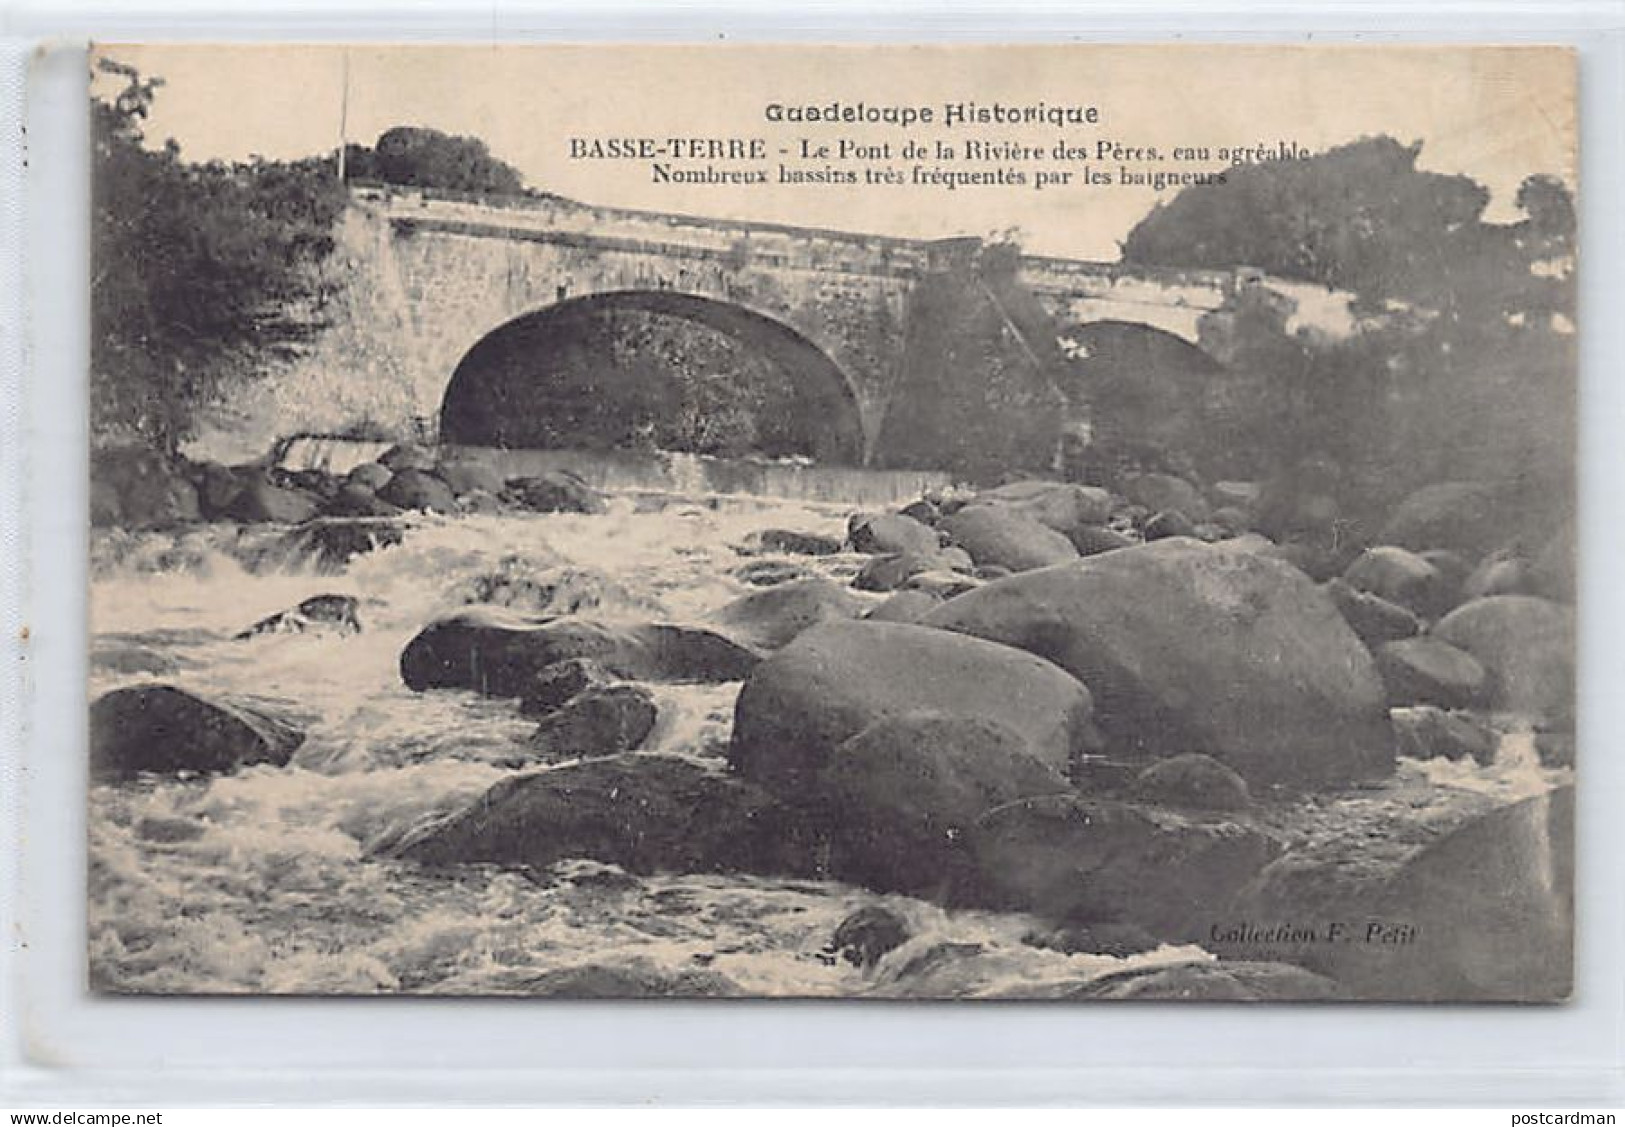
(1151, 387)
(654, 367)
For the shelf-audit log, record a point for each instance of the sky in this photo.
(1496, 114)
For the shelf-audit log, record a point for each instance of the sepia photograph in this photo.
(986, 522)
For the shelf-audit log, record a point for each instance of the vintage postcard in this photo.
(978, 522)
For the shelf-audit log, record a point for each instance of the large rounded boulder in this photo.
(1195, 648)
(500, 654)
(164, 729)
(1483, 913)
(840, 678)
(418, 489)
(1467, 516)
(1160, 492)
(1063, 506)
(905, 792)
(1526, 644)
(1006, 536)
(645, 813)
(772, 618)
(890, 534)
(1401, 577)
(1076, 859)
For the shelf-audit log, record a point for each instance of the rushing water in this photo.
(260, 882)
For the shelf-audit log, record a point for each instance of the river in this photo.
(261, 882)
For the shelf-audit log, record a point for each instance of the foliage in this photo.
(978, 394)
(200, 272)
(1462, 362)
(416, 157)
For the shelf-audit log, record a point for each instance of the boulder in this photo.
(1091, 540)
(262, 502)
(1062, 506)
(1300, 503)
(370, 476)
(791, 542)
(1191, 647)
(557, 684)
(1316, 561)
(1551, 572)
(889, 572)
(1221, 981)
(1401, 934)
(558, 491)
(333, 614)
(1427, 732)
(644, 812)
(1159, 492)
(479, 501)
(924, 510)
(1471, 517)
(353, 500)
(217, 487)
(1075, 859)
(1004, 536)
(1401, 577)
(943, 584)
(1230, 520)
(499, 653)
(419, 489)
(1499, 573)
(1453, 569)
(890, 534)
(318, 483)
(1192, 782)
(903, 793)
(865, 936)
(164, 729)
(1428, 671)
(139, 488)
(333, 542)
(1167, 524)
(465, 477)
(408, 456)
(1374, 619)
(771, 619)
(162, 502)
(1525, 644)
(905, 606)
(840, 678)
(602, 720)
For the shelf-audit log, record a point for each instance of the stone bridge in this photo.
(423, 286)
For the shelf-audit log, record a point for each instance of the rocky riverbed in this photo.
(420, 729)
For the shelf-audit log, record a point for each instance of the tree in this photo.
(202, 274)
(427, 158)
(1462, 364)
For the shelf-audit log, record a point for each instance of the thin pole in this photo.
(344, 113)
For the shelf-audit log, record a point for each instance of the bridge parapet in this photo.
(423, 277)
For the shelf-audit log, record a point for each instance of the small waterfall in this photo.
(688, 474)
